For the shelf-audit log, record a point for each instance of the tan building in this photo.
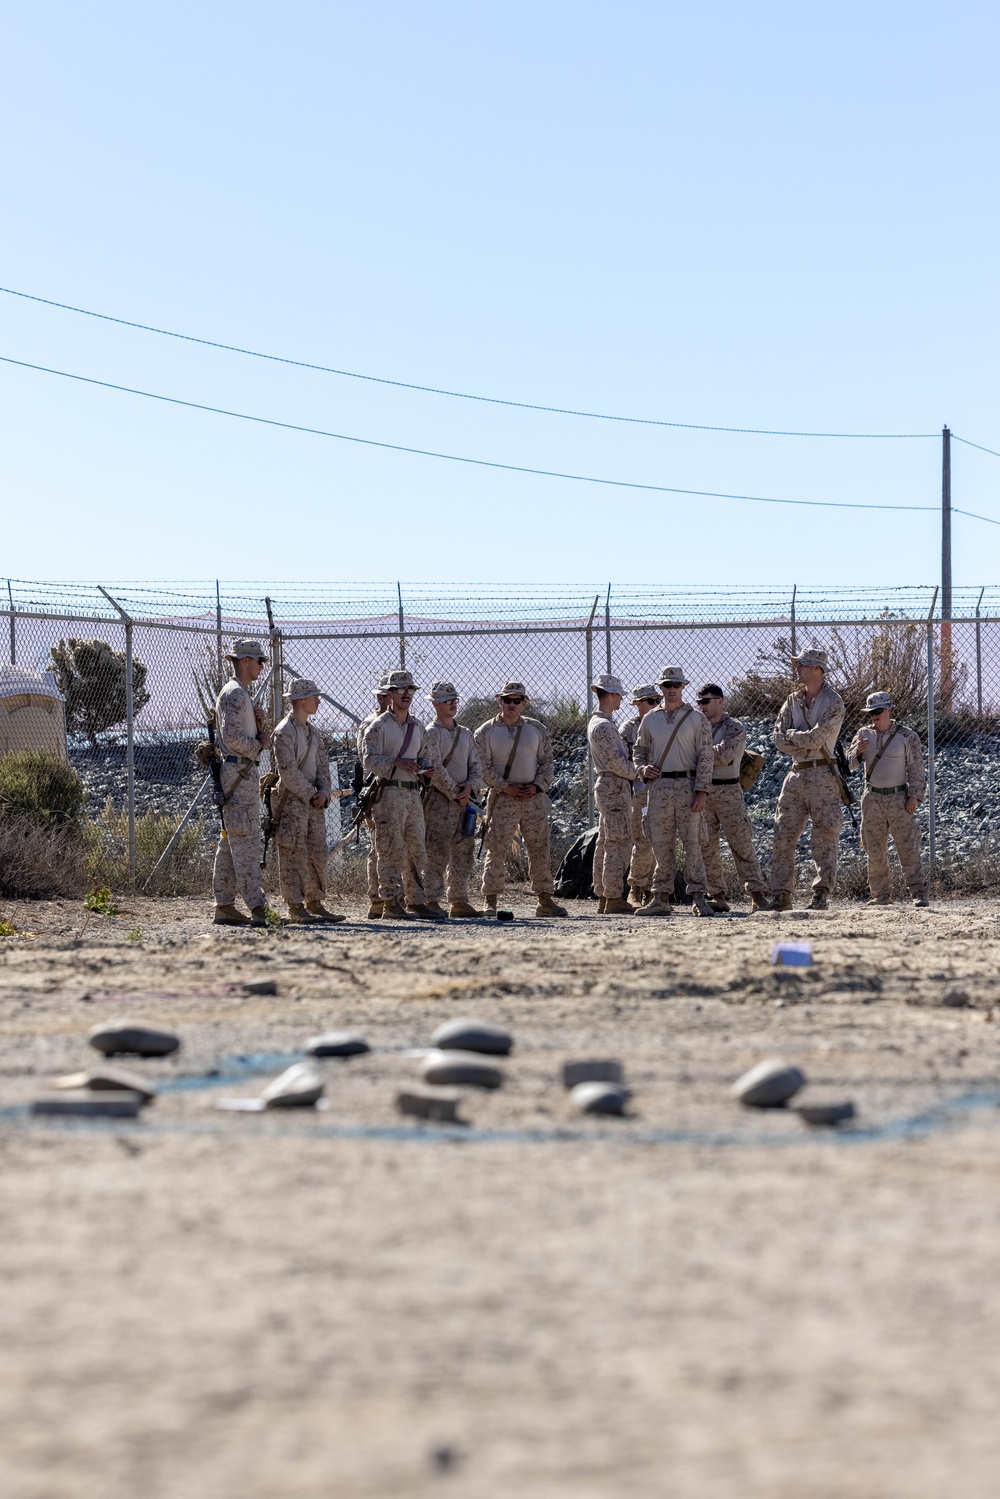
(32, 715)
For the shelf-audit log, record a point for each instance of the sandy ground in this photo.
(696, 1301)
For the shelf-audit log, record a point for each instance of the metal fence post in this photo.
(979, 657)
(591, 807)
(218, 640)
(607, 631)
(402, 631)
(931, 786)
(794, 641)
(129, 737)
(13, 638)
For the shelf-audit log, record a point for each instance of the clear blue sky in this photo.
(781, 215)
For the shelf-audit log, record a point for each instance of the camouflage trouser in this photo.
(301, 840)
(531, 815)
(614, 835)
(726, 811)
(237, 858)
(880, 816)
(413, 893)
(807, 794)
(670, 819)
(446, 849)
(399, 835)
(640, 870)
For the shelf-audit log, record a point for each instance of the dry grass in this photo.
(39, 862)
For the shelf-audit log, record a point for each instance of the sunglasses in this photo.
(647, 699)
(673, 686)
(701, 701)
(512, 702)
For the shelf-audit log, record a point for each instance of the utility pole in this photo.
(946, 666)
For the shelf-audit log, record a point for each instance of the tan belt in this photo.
(808, 764)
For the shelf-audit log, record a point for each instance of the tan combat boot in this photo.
(701, 905)
(656, 907)
(614, 907)
(759, 901)
(393, 911)
(547, 907)
(426, 912)
(299, 916)
(374, 910)
(230, 916)
(820, 901)
(719, 903)
(462, 908)
(781, 900)
(601, 905)
(490, 902)
(316, 908)
(258, 916)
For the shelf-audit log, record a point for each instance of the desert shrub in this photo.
(209, 675)
(476, 710)
(91, 677)
(186, 872)
(40, 860)
(39, 786)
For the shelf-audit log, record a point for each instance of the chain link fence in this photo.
(138, 666)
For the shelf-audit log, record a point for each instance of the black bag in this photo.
(575, 875)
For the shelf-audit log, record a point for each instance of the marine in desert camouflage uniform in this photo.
(673, 752)
(807, 728)
(725, 810)
(456, 779)
(396, 752)
(516, 755)
(381, 703)
(297, 804)
(895, 781)
(241, 736)
(613, 794)
(643, 862)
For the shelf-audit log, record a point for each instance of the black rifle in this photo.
(268, 821)
(215, 771)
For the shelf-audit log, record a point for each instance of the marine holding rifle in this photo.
(807, 728)
(297, 806)
(241, 736)
(895, 780)
(396, 753)
(725, 810)
(455, 780)
(673, 754)
(516, 755)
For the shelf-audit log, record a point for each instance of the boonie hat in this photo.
(301, 687)
(877, 702)
(380, 689)
(811, 657)
(646, 689)
(442, 692)
(395, 681)
(605, 683)
(673, 676)
(244, 647)
(513, 689)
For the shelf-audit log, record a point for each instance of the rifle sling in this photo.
(870, 769)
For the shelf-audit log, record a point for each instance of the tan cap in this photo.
(380, 689)
(395, 681)
(646, 689)
(877, 702)
(513, 689)
(811, 657)
(606, 683)
(244, 647)
(442, 692)
(300, 687)
(673, 676)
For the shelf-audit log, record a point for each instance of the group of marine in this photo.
(669, 776)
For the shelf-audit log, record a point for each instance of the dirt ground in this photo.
(699, 1300)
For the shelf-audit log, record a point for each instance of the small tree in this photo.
(91, 677)
(37, 785)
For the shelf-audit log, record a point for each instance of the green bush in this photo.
(37, 785)
(186, 872)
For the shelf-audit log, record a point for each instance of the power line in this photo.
(977, 445)
(434, 390)
(514, 468)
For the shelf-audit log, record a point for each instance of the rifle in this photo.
(268, 821)
(215, 771)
